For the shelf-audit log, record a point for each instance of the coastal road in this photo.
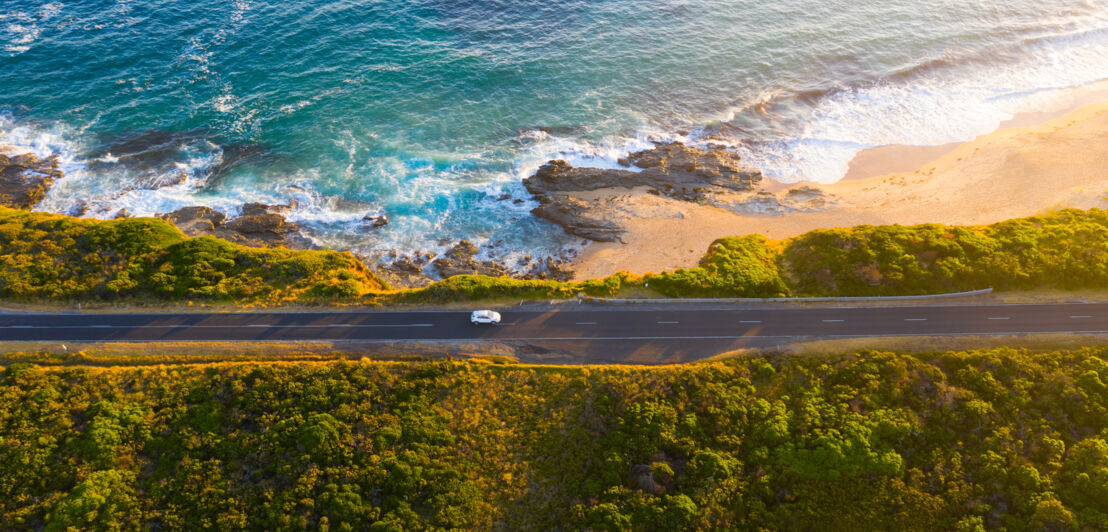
(603, 333)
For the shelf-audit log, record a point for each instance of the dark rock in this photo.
(559, 176)
(398, 270)
(25, 179)
(255, 227)
(195, 221)
(79, 209)
(504, 197)
(121, 213)
(252, 224)
(459, 260)
(154, 155)
(463, 251)
(376, 220)
(254, 209)
(669, 169)
(578, 218)
(666, 168)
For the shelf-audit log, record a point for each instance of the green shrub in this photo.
(734, 267)
(990, 439)
(46, 256)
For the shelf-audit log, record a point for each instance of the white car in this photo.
(484, 316)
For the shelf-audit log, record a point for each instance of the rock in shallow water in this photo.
(24, 179)
(257, 226)
(376, 220)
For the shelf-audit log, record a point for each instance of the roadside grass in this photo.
(925, 344)
(110, 354)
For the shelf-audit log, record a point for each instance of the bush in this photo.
(991, 439)
(46, 256)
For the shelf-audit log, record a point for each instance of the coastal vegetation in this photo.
(987, 439)
(52, 257)
(47, 257)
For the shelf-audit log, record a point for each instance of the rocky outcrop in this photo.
(24, 179)
(669, 169)
(672, 169)
(803, 198)
(405, 271)
(579, 217)
(195, 221)
(459, 260)
(375, 221)
(257, 225)
(422, 268)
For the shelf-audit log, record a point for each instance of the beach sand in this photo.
(1012, 172)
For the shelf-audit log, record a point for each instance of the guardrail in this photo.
(614, 301)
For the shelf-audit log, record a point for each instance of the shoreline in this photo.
(1015, 171)
(903, 158)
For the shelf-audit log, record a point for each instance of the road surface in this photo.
(609, 334)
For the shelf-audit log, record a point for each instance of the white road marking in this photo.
(915, 319)
(1000, 318)
(103, 326)
(421, 325)
(1080, 317)
(586, 323)
(669, 322)
(750, 321)
(833, 321)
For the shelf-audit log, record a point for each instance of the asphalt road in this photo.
(676, 333)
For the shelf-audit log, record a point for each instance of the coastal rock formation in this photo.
(375, 221)
(24, 179)
(459, 260)
(422, 268)
(579, 217)
(803, 198)
(670, 169)
(256, 226)
(153, 156)
(195, 221)
(404, 272)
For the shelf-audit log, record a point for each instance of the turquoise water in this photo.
(431, 111)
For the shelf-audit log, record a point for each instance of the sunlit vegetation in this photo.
(1064, 250)
(51, 257)
(954, 441)
(56, 258)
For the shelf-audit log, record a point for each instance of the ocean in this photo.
(433, 111)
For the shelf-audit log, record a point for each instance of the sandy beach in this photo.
(1012, 172)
